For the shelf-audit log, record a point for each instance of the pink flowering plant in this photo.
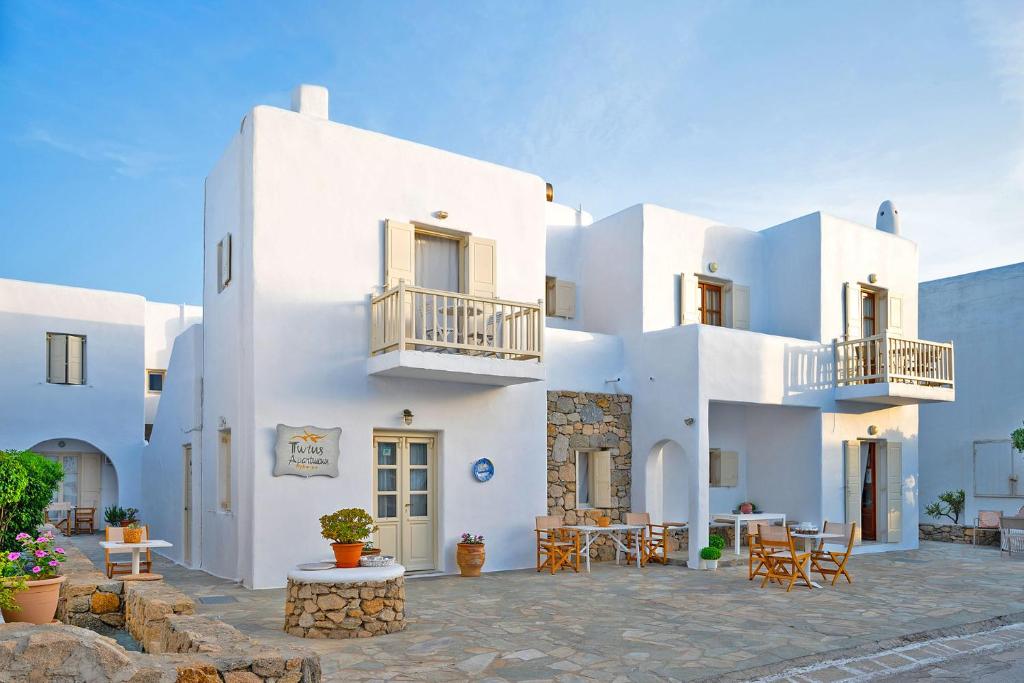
(472, 539)
(39, 558)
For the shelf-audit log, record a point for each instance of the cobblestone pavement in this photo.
(625, 624)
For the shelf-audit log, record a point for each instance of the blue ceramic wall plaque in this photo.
(483, 469)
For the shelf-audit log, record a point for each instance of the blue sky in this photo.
(747, 112)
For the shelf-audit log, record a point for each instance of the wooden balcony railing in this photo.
(885, 358)
(409, 317)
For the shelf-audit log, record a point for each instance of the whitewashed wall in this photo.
(164, 322)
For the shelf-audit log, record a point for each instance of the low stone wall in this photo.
(147, 605)
(680, 538)
(87, 597)
(955, 533)
(345, 610)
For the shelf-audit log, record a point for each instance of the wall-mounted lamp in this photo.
(688, 421)
(872, 278)
(872, 430)
(713, 267)
(407, 416)
(549, 192)
(440, 215)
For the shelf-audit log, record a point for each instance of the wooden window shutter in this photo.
(741, 307)
(89, 480)
(58, 358)
(894, 490)
(565, 299)
(76, 359)
(854, 485)
(601, 479)
(399, 253)
(894, 314)
(729, 472)
(481, 267)
(689, 299)
(851, 310)
(224, 262)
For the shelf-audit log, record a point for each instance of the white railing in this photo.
(886, 358)
(416, 318)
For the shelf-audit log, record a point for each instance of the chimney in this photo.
(310, 100)
(888, 218)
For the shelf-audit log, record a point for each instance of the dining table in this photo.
(737, 519)
(615, 532)
(135, 548)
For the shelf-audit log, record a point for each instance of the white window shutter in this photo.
(399, 253)
(854, 485)
(894, 490)
(894, 314)
(565, 299)
(741, 307)
(730, 468)
(689, 299)
(481, 267)
(851, 310)
(601, 479)
(58, 351)
(76, 359)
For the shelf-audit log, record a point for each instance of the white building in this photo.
(967, 443)
(75, 384)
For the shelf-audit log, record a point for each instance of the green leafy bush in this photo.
(950, 504)
(113, 515)
(710, 553)
(27, 483)
(1017, 437)
(350, 525)
(716, 541)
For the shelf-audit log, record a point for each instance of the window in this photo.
(560, 301)
(148, 432)
(224, 470)
(437, 262)
(65, 358)
(593, 479)
(450, 262)
(724, 468)
(155, 380)
(710, 303)
(224, 263)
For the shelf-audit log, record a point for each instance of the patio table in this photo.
(136, 549)
(739, 519)
(614, 532)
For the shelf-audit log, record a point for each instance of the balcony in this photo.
(894, 371)
(431, 334)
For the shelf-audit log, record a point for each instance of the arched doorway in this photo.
(667, 482)
(90, 478)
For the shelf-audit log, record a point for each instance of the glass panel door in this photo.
(387, 479)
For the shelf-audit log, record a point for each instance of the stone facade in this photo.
(955, 533)
(345, 610)
(580, 421)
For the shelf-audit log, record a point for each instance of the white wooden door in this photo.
(854, 484)
(186, 517)
(894, 490)
(404, 498)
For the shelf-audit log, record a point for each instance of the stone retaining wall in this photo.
(345, 610)
(956, 533)
(87, 597)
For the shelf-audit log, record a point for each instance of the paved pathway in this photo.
(624, 624)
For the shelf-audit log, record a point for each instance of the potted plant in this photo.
(36, 568)
(716, 541)
(347, 528)
(368, 549)
(746, 508)
(132, 533)
(470, 554)
(131, 516)
(709, 557)
(113, 515)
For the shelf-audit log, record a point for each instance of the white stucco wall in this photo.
(163, 323)
(565, 228)
(982, 314)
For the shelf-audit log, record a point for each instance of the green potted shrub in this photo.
(347, 529)
(131, 516)
(716, 541)
(709, 557)
(31, 579)
(113, 515)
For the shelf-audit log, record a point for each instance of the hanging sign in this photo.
(307, 451)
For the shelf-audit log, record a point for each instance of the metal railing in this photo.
(887, 358)
(416, 318)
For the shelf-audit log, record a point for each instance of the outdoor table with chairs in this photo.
(71, 519)
(774, 556)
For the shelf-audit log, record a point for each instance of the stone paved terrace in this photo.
(659, 623)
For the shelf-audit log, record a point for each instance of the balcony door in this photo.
(404, 497)
(437, 262)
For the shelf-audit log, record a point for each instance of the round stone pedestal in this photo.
(345, 603)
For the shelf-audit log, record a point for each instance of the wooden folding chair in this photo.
(62, 516)
(784, 563)
(559, 547)
(116, 533)
(757, 563)
(85, 520)
(821, 558)
(652, 539)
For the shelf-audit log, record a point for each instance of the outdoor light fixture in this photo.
(713, 267)
(872, 278)
(407, 416)
(872, 430)
(441, 215)
(688, 421)
(549, 192)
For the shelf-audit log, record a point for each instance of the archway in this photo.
(667, 482)
(90, 478)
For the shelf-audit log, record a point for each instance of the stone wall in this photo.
(579, 421)
(87, 597)
(345, 610)
(955, 533)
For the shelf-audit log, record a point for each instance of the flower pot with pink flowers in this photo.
(31, 579)
(470, 554)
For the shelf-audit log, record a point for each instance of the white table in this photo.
(738, 520)
(810, 540)
(614, 532)
(136, 549)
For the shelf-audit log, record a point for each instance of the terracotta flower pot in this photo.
(124, 522)
(470, 557)
(371, 551)
(132, 535)
(38, 603)
(346, 555)
(604, 521)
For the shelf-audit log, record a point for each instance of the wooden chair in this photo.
(784, 563)
(559, 547)
(986, 519)
(652, 539)
(62, 516)
(116, 533)
(757, 562)
(832, 563)
(85, 520)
